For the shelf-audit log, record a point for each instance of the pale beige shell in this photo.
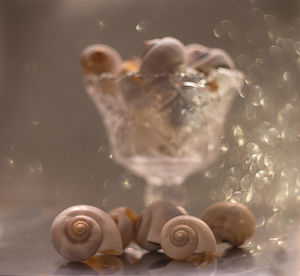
(151, 221)
(98, 59)
(81, 231)
(125, 218)
(162, 56)
(230, 222)
(183, 236)
(204, 59)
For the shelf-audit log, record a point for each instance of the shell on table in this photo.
(230, 222)
(184, 236)
(80, 231)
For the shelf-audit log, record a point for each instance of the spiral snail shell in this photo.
(79, 232)
(230, 222)
(98, 59)
(184, 236)
(161, 56)
(204, 59)
(125, 218)
(151, 221)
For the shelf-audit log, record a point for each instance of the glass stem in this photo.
(175, 193)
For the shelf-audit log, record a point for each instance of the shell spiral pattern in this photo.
(183, 236)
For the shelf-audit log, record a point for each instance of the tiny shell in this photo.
(98, 59)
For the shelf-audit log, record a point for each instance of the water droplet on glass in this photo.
(249, 195)
(286, 76)
(271, 137)
(250, 111)
(219, 32)
(269, 163)
(142, 26)
(260, 221)
(231, 182)
(252, 148)
(238, 131)
(224, 148)
(255, 95)
(236, 197)
(246, 182)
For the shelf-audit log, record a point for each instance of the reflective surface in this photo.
(53, 149)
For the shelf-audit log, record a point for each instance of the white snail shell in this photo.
(151, 221)
(230, 222)
(161, 56)
(98, 59)
(204, 59)
(184, 236)
(81, 231)
(125, 219)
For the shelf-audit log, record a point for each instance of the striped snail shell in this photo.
(230, 222)
(81, 231)
(184, 236)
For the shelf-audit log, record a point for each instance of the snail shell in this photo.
(203, 58)
(161, 56)
(125, 218)
(81, 231)
(230, 222)
(98, 59)
(151, 221)
(184, 236)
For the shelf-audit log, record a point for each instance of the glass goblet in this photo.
(164, 127)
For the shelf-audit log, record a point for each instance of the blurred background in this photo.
(53, 149)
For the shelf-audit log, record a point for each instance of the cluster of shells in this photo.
(160, 56)
(80, 232)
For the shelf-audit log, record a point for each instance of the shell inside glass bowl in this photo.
(165, 127)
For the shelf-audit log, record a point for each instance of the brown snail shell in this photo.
(98, 59)
(151, 221)
(79, 232)
(183, 236)
(163, 56)
(204, 59)
(125, 218)
(230, 222)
